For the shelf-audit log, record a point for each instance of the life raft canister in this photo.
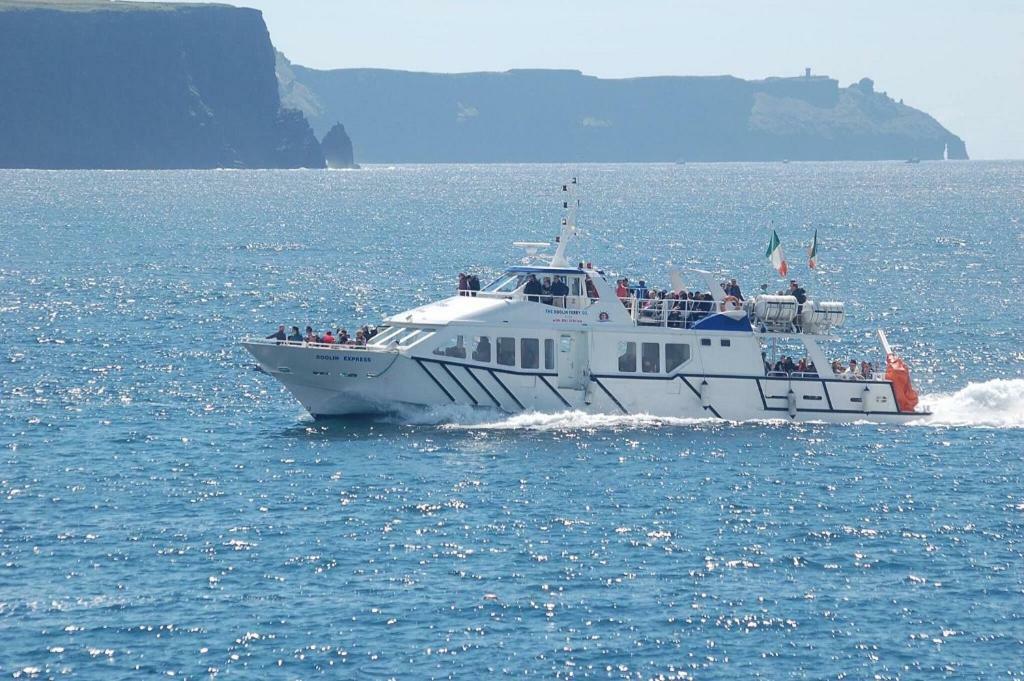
(898, 374)
(730, 303)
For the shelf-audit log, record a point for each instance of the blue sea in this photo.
(166, 510)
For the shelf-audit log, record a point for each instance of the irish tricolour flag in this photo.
(774, 253)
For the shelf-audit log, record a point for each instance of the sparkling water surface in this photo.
(167, 510)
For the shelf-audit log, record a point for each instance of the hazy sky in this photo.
(960, 60)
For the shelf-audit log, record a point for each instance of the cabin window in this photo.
(725, 342)
(506, 284)
(627, 356)
(676, 355)
(507, 351)
(409, 338)
(651, 358)
(705, 342)
(454, 347)
(385, 334)
(481, 349)
(529, 353)
(549, 354)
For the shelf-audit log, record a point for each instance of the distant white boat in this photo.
(578, 346)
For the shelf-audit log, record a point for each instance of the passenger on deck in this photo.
(559, 290)
(360, 338)
(622, 289)
(852, 372)
(787, 365)
(533, 289)
(328, 337)
(641, 290)
(800, 294)
(295, 335)
(474, 284)
(279, 334)
(310, 336)
(801, 366)
(733, 289)
(343, 338)
(545, 287)
(867, 371)
(797, 292)
(837, 367)
(463, 284)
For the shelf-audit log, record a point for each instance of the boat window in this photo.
(507, 351)
(482, 349)
(454, 347)
(574, 286)
(409, 337)
(705, 341)
(549, 353)
(676, 355)
(725, 342)
(651, 360)
(386, 334)
(506, 283)
(529, 353)
(627, 356)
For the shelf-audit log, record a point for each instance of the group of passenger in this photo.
(469, 284)
(551, 290)
(678, 310)
(340, 337)
(865, 371)
(786, 365)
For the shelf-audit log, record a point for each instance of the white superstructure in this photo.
(587, 350)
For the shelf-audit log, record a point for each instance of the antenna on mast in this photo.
(569, 204)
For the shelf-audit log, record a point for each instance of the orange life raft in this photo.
(898, 373)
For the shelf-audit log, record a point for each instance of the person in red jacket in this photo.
(328, 337)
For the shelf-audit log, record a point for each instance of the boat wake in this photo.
(998, 403)
(578, 420)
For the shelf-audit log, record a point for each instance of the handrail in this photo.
(255, 340)
(680, 313)
(569, 302)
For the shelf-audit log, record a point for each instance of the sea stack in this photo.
(337, 148)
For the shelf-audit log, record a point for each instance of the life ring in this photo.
(730, 303)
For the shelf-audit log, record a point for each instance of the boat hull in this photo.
(346, 382)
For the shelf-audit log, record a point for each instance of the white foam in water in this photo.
(998, 403)
(577, 420)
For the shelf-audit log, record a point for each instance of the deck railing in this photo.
(251, 340)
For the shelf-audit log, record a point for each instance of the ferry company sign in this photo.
(343, 358)
(562, 316)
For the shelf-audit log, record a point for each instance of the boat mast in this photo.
(569, 204)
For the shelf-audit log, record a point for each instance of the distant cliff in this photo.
(93, 84)
(551, 115)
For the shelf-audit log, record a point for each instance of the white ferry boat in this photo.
(588, 350)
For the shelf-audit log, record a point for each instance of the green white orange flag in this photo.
(812, 252)
(774, 253)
